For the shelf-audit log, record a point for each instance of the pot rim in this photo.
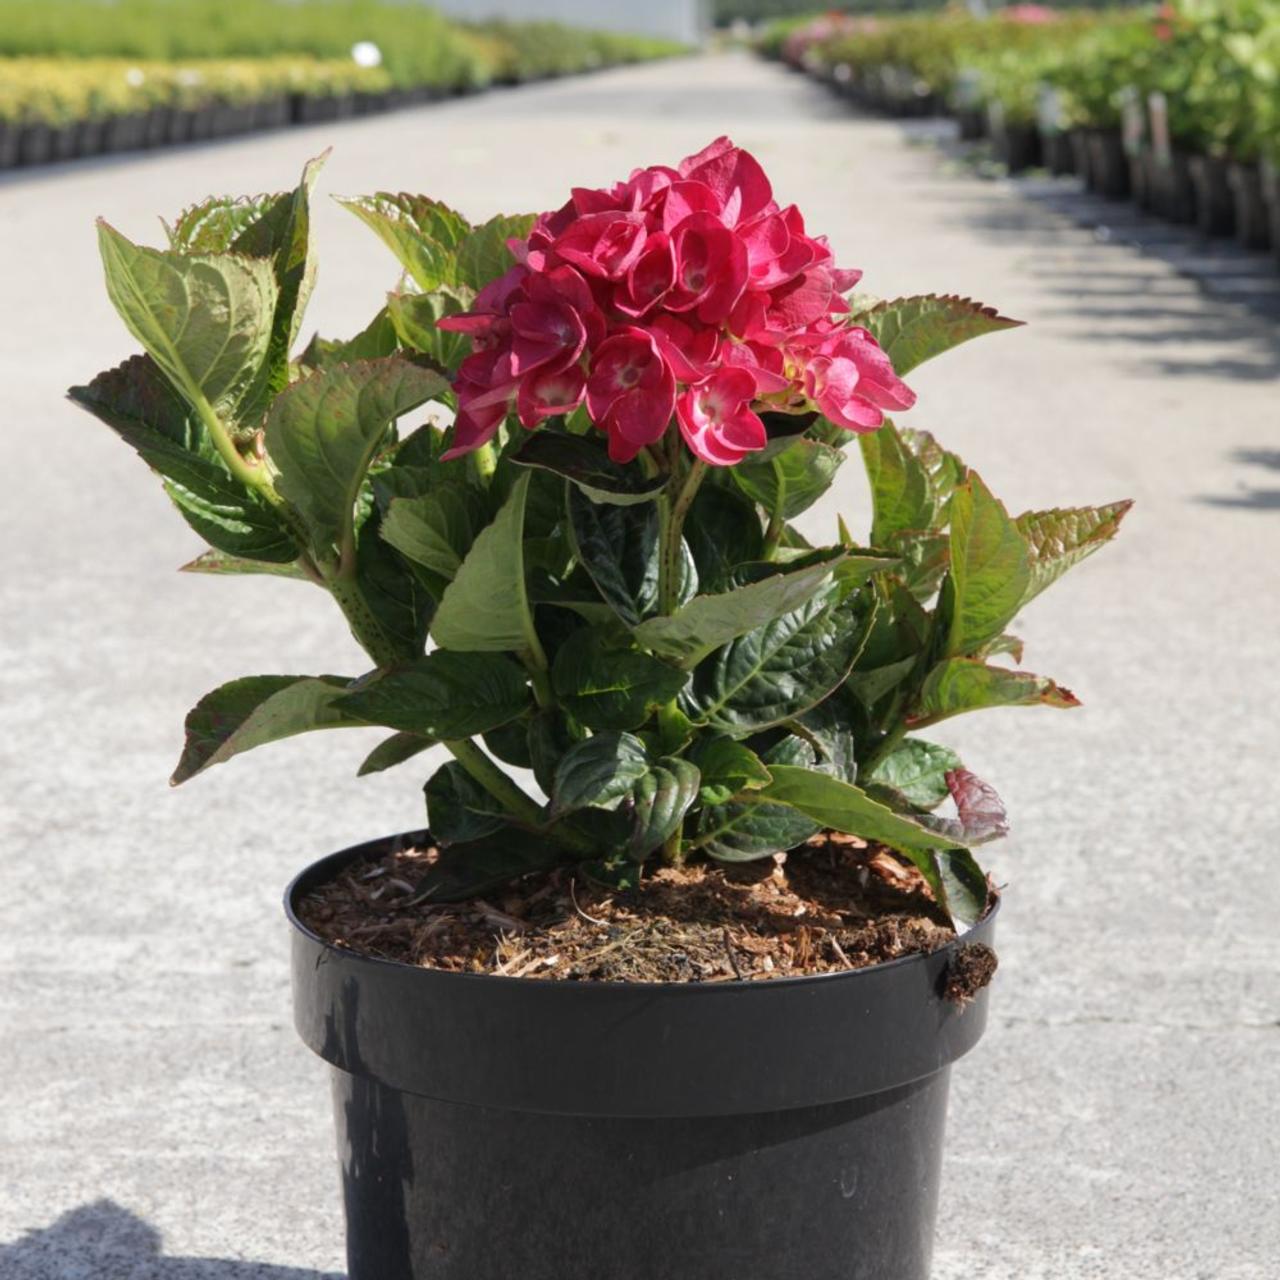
(313, 872)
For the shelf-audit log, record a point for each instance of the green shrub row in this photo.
(1216, 61)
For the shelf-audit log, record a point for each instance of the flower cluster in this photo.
(684, 292)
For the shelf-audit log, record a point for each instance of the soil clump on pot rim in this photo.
(835, 903)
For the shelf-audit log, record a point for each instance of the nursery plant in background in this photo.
(686, 752)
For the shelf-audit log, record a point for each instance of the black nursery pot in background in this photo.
(491, 1128)
(1252, 219)
(1215, 212)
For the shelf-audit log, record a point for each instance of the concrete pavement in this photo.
(163, 1122)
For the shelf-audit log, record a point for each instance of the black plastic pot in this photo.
(494, 1128)
(972, 122)
(1017, 146)
(1215, 211)
(1057, 151)
(1270, 175)
(1253, 223)
(36, 143)
(1173, 192)
(1142, 177)
(10, 144)
(65, 139)
(1108, 164)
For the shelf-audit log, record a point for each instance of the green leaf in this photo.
(467, 870)
(793, 479)
(443, 695)
(1059, 539)
(587, 464)
(924, 557)
(438, 529)
(746, 831)
(205, 320)
(375, 341)
(255, 710)
(611, 686)
(397, 595)
(459, 808)
(483, 255)
(709, 621)
(913, 330)
(990, 568)
(945, 470)
(829, 728)
(966, 684)
(142, 408)
(213, 225)
(716, 508)
(960, 885)
(727, 767)
(659, 800)
(323, 432)
(619, 550)
(393, 751)
(901, 492)
(915, 775)
(777, 672)
(220, 563)
(840, 806)
(598, 772)
(415, 318)
(423, 233)
(486, 606)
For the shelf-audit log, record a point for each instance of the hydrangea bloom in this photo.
(685, 294)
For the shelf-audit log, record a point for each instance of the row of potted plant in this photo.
(63, 108)
(1177, 106)
(418, 46)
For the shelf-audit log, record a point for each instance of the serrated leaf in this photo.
(205, 320)
(716, 508)
(423, 233)
(395, 593)
(256, 710)
(746, 831)
(598, 772)
(586, 463)
(914, 774)
(619, 550)
(967, 684)
(611, 686)
(323, 432)
(980, 813)
(459, 808)
(945, 469)
(415, 318)
(375, 341)
(137, 402)
(727, 767)
(902, 494)
(990, 568)
(777, 672)
(841, 806)
(483, 255)
(438, 529)
(659, 801)
(1059, 539)
(792, 480)
(708, 621)
(393, 751)
(486, 606)
(467, 870)
(443, 695)
(913, 330)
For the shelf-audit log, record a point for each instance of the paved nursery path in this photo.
(161, 1118)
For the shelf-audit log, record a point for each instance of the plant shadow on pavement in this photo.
(107, 1242)
(1249, 497)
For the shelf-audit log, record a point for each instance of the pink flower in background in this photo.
(686, 292)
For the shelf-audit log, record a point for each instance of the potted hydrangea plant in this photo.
(672, 983)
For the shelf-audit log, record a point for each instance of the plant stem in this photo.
(254, 477)
(366, 628)
(886, 746)
(671, 552)
(773, 534)
(520, 806)
(485, 462)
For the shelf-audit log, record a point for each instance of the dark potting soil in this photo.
(834, 903)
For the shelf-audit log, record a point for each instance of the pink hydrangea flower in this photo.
(683, 294)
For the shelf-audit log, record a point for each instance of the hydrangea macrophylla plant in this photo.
(594, 574)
